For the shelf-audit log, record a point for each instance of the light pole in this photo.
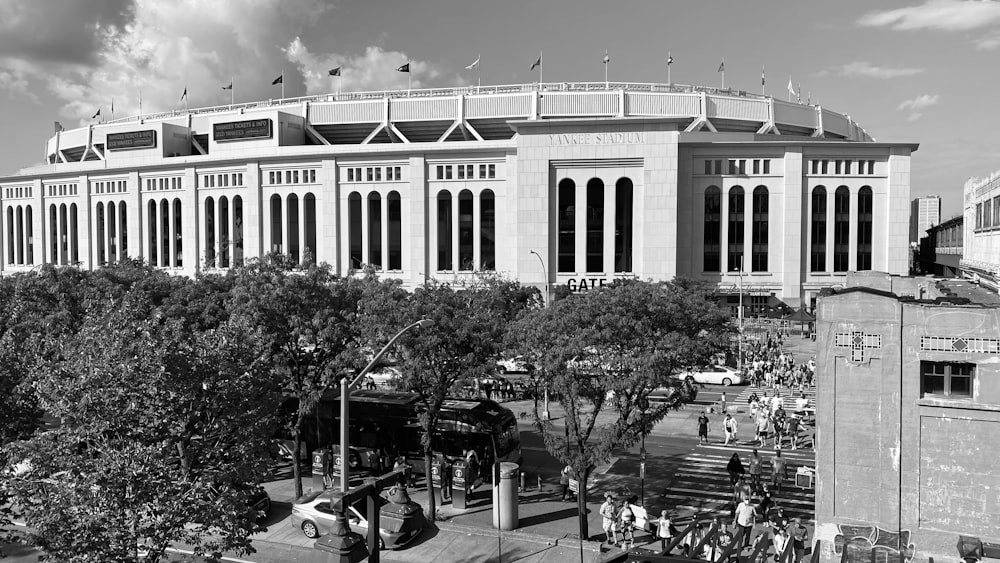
(739, 362)
(345, 401)
(545, 273)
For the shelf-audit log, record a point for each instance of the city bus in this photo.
(385, 424)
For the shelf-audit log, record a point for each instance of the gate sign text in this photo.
(131, 140)
(242, 130)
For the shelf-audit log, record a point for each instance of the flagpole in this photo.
(788, 93)
(232, 91)
(763, 82)
(607, 62)
(112, 109)
(282, 83)
(479, 73)
(669, 64)
(540, 62)
(409, 77)
(723, 74)
(140, 102)
(185, 99)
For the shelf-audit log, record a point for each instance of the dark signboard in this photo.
(242, 130)
(131, 140)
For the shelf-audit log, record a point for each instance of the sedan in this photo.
(312, 514)
(715, 375)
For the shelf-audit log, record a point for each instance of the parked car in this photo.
(683, 393)
(715, 375)
(312, 514)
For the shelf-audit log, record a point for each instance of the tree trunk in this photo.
(431, 501)
(296, 470)
(581, 505)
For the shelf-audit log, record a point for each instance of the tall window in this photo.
(713, 229)
(444, 230)
(100, 234)
(309, 245)
(865, 228)
(112, 247)
(153, 246)
(566, 221)
(375, 230)
(210, 231)
(74, 248)
(758, 230)
(395, 219)
(237, 230)
(623, 225)
(466, 232)
(841, 229)
(54, 224)
(595, 225)
(122, 230)
(488, 230)
(946, 379)
(354, 229)
(736, 221)
(292, 244)
(178, 235)
(817, 250)
(276, 237)
(224, 232)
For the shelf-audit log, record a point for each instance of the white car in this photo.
(715, 375)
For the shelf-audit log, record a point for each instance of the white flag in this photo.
(791, 88)
(474, 65)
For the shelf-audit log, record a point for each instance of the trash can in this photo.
(505, 497)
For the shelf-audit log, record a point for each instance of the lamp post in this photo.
(643, 407)
(545, 274)
(345, 400)
(739, 362)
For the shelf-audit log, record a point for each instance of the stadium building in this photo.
(573, 184)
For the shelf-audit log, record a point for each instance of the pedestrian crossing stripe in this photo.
(801, 453)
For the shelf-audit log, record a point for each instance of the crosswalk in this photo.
(788, 396)
(700, 484)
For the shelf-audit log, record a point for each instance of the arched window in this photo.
(54, 226)
(595, 225)
(210, 233)
(623, 225)
(444, 261)
(487, 230)
(166, 253)
(178, 234)
(100, 234)
(736, 221)
(223, 232)
(112, 232)
(466, 232)
(153, 239)
(566, 223)
(309, 252)
(74, 238)
(122, 230)
(276, 223)
(817, 250)
(354, 229)
(10, 235)
(758, 230)
(292, 218)
(29, 225)
(841, 229)
(237, 230)
(395, 219)
(20, 234)
(375, 230)
(865, 228)
(713, 230)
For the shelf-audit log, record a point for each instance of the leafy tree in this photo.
(309, 319)
(602, 352)
(161, 425)
(463, 342)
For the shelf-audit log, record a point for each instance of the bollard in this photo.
(539, 482)
(521, 489)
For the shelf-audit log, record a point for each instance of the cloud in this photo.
(88, 52)
(988, 42)
(375, 69)
(917, 104)
(943, 15)
(868, 70)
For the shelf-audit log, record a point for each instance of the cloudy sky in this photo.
(906, 70)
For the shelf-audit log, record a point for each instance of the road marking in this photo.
(224, 558)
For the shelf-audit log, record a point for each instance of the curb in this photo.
(517, 535)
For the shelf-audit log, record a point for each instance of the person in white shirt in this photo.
(745, 519)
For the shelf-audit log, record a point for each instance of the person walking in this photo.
(703, 429)
(722, 403)
(780, 541)
(793, 431)
(626, 523)
(745, 520)
(756, 464)
(735, 468)
(446, 468)
(730, 426)
(800, 536)
(564, 477)
(777, 471)
(608, 515)
(664, 530)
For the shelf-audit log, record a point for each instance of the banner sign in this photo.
(131, 140)
(242, 130)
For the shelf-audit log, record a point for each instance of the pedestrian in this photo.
(664, 530)
(765, 504)
(793, 431)
(723, 539)
(745, 520)
(472, 465)
(755, 468)
(780, 541)
(564, 477)
(703, 429)
(754, 402)
(607, 512)
(446, 468)
(730, 426)
(722, 403)
(779, 425)
(800, 536)
(626, 523)
(777, 471)
(735, 468)
(763, 425)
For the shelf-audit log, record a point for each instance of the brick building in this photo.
(908, 405)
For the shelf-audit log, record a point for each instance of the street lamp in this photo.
(345, 401)
(545, 273)
(739, 362)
